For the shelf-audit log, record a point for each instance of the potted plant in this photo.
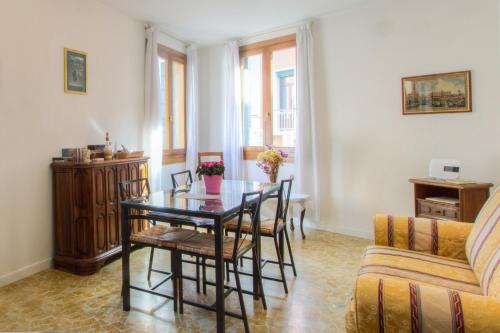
(270, 160)
(212, 175)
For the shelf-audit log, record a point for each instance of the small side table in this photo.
(301, 200)
(466, 199)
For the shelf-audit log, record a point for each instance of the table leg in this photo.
(302, 215)
(125, 259)
(219, 275)
(292, 227)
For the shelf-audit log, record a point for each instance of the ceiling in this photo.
(212, 21)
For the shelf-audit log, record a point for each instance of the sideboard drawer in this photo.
(431, 209)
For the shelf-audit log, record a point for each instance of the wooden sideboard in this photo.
(469, 198)
(87, 213)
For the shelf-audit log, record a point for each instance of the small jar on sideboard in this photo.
(86, 199)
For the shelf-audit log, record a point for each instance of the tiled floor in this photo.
(60, 302)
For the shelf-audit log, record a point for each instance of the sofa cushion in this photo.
(387, 304)
(420, 267)
(483, 246)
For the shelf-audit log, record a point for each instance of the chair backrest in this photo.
(483, 246)
(250, 202)
(181, 178)
(283, 201)
(135, 188)
(210, 156)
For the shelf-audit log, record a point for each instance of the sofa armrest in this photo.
(386, 304)
(443, 238)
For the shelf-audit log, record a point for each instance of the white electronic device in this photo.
(444, 169)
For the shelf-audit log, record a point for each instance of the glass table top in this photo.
(193, 199)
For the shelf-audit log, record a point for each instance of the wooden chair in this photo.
(219, 156)
(276, 229)
(234, 248)
(156, 236)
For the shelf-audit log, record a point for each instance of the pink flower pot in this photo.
(212, 183)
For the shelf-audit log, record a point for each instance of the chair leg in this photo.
(240, 296)
(261, 287)
(173, 265)
(181, 287)
(290, 252)
(280, 263)
(197, 274)
(204, 275)
(150, 267)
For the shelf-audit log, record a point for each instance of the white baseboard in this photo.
(25, 271)
(340, 230)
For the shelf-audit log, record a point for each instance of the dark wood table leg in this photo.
(302, 215)
(256, 267)
(219, 275)
(292, 227)
(125, 259)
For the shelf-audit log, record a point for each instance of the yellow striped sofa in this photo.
(427, 275)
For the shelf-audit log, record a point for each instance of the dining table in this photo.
(193, 201)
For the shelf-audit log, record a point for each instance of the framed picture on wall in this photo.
(437, 93)
(75, 72)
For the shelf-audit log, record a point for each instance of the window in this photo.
(268, 95)
(173, 102)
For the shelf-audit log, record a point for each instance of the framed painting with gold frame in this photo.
(437, 93)
(75, 72)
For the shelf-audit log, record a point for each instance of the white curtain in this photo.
(153, 128)
(232, 132)
(306, 166)
(192, 108)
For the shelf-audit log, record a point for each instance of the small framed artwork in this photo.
(75, 72)
(437, 93)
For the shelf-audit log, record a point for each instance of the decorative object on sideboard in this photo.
(125, 153)
(75, 72)
(96, 153)
(108, 150)
(437, 93)
(270, 161)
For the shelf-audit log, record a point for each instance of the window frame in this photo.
(266, 48)
(170, 155)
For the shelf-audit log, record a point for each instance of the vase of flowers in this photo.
(270, 161)
(212, 175)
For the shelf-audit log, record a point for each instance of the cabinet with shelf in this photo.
(439, 199)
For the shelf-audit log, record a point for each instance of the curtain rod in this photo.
(283, 27)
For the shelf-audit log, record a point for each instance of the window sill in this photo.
(251, 152)
(174, 157)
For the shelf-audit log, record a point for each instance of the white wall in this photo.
(368, 150)
(37, 118)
